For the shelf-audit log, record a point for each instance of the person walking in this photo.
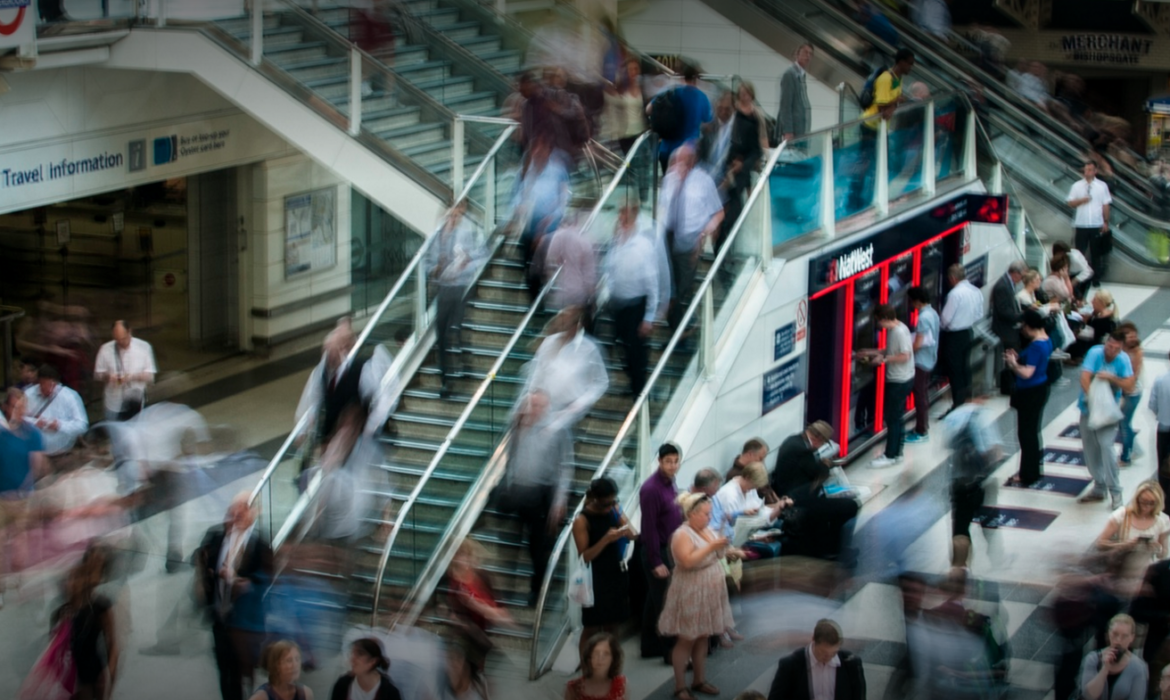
(602, 532)
(898, 358)
(962, 310)
(1090, 198)
(694, 110)
(1030, 367)
(691, 212)
(926, 337)
(631, 276)
(1105, 363)
(795, 116)
(887, 95)
(1130, 400)
(1160, 405)
(660, 518)
(1005, 307)
(975, 448)
(126, 366)
(452, 262)
(822, 670)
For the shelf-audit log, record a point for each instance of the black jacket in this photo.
(1005, 312)
(792, 680)
(386, 691)
(343, 394)
(255, 567)
(798, 473)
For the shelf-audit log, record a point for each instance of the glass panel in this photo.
(854, 168)
(950, 120)
(905, 140)
(795, 187)
(381, 247)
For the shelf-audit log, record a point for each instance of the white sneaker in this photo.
(883, 462)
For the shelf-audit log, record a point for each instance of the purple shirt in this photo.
(661, 515)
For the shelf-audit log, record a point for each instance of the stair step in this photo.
(241, 27)
(444, 89)
(456, 30)
(506, 62)
(424, 71)
(297, 53)
(386, 120)
(321, 69)
(419, 134)
(484, 43)
(430, 153)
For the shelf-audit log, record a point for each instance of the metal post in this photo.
(489, 195)
(257, 32)
(828, 187)
(645, 450)
(162, 13)
(707, 334)
(501, 7)
(355, 92)
(420, 302)
(457, 151)
(881, 187)
(928, 166)
(996, 184)
(763, 214)
(970, 152)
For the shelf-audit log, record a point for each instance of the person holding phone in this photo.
(1114, 673)
(602, 533)
(1140, 524)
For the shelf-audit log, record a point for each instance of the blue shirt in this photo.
(696, 110)
(1095, 362)
(926, 356)
(16, 449)
(1035, 355)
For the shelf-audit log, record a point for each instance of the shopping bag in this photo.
(1103, 407)
(581, 584)
(1066, 335)
(54, 676)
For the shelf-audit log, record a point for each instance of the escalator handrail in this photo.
(644, 397)
(414, 265)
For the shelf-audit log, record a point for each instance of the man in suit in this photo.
(821, 670)
(233, 564)
(795, 117)
(1005, 308)
(334, 384)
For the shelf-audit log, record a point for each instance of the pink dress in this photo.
(696, 602)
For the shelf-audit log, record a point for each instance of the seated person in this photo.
(739, 497)
(754, 450)
(1097, 325)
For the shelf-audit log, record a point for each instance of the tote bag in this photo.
(53, 677)
(581, 584)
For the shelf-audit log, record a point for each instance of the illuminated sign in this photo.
(851, 263)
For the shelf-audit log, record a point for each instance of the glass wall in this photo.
(382, 247)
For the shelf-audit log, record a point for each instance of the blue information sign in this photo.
(783, 384)
(785, 341)
(977, 271)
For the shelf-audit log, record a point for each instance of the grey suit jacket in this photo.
(795, 115)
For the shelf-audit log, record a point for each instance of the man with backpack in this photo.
(678, 114)
(880, 96)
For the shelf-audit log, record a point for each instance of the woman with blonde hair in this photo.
(697, 606)
(1141, 524)
(1097, 325)
(282, 662)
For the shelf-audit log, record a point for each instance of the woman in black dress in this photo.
(601, 533)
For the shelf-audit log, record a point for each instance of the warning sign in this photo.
(801, 319)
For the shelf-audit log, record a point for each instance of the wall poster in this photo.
(310, 232)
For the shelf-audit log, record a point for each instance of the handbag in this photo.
(1103, 408)
(54, 676)
(581, 584)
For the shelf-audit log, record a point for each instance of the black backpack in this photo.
(667, 115)
(865, 99)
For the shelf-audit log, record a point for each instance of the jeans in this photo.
(895, 408)
(1099, 457)
(1129, 406)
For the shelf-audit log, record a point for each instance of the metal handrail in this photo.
(644, 397)
(451, 434)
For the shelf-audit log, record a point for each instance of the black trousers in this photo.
(653, 644)
(627, 320)
(1086, 242)
(966, 500)
(449, 311)
(895, 409)
(921, 400)
(1163, 469)
(683, 267)
(955, 352)
(534, 523)
(1029, 405)
(231, 679)
(824, 529)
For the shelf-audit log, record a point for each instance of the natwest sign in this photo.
(850, 263)
(17, 23)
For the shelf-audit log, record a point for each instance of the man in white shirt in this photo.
(1091, 199)
(962, 310)
(898, 357)
(1160, 405)
(57, 411)
(689, 220)
(631, 276)
(821, 670)
(126, 366)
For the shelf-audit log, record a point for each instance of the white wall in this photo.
(691, 29)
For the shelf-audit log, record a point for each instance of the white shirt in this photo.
(233, 544)
(1160, 402)
(964, 307)
(65, 406)
(1078, 267)
(898, 342)
(573, 375)
(718, 154)
(822, 677)
(356, 692)
(1090, 214)
(700, 202)
(136, 359)
(631, 270)
(733, 502)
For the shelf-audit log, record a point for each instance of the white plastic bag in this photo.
(1066, 334)
(1103, 407)
(581, 584)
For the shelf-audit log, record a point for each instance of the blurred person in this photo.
(94, 641)
(347, 465)
(452, 263)
(876, 22)
(334, 384)
(691, 212)
(1005, 308)
(571, 250)
(795, 116)
(1160, 186)
(693, 111)
(1079, 270)
(1030, 367)
(696, 606)
(232, 564)
(1104, 363)
(1058, 286)
(751, 695)
(1151, 607)
(1130, 400)
(625, 116)
(282, 663)
(749, 142)
(602, 533)
(126, 366)
(1091, 199)
(302, 606)
(25, 371)
(661, 517)
(1164, 684)
(1030, 81)
(1160, 405)
(540, 201)
(536, 480)
(568, 369)
(898, 358)
(462, 681)
(934, 17)
(887, 95)
(631, 278)
(821, 670)
(1114, 673)
(965, 642)
(367, 679)
(976, 448)
(601, 670)
(714, 142)
(371, 28)
(471, 600)
(57, 411)
(962, 310)
(552, 114)
(22, 450)
(926, 339)
(1141, 525)
(1098, 325)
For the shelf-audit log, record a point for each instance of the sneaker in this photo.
(1116, 502)
(1091, 497)
(1124, 463)
(917, 438)
(883, 462)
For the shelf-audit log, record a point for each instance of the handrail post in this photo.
(881, 187)
(645, 450)
(457, 151)
(764, 224)
(828, 187)
(928, 166)
(707, 334)
(420, 302)
(355, 92)
(996, 184)
(970, 150)
(489, 196)
(257, 36)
